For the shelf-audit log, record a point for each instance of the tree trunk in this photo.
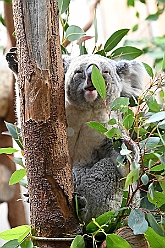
(41, 84)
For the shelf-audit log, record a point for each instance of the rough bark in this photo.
(16, 214)
(43, 120)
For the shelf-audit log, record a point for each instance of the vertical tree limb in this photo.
(41, 84)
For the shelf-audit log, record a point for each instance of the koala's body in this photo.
(96, 175)
(95, 171)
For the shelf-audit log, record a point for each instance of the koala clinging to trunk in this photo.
(96, 175)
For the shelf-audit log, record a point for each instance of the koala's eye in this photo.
(78, 72)
(106, 72)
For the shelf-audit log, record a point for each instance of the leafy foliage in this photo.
(145, 124)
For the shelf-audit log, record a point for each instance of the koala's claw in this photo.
(12, 60)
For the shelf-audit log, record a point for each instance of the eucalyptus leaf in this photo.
(152, 104)
(17, 176)
(149, 143)
(63, 5)
(120, 103)
(114, 133)
(8, 150)
(145, 179)
(127, 52)
(137, 221)
(154, 239)
(131, 3)
(15, 133)
(26, 244)
(11, 244)
(114, 39)
(132, 177)
(128, 119)
(153, 223)
(158, 199)
(78, 242)
(105, 218)
(157, 117)
(163, 63)
(74, 32)
(18, 233)
(115, 241)
(97, 126)
(149, 70)
(98, 82)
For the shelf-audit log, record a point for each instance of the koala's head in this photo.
(122, 78)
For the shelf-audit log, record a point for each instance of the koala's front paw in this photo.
(12, 60)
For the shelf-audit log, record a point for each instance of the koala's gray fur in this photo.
(95, 171)
(96, 175)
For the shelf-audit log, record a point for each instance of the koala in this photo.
(96, 175)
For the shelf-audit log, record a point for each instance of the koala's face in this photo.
(118, 77)
(78, 83)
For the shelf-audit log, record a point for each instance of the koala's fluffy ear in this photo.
(66, 62)
(132, 74)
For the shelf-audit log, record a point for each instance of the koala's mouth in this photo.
(90, 87)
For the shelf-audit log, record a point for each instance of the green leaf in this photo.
(17, 176)
(158, 167)
(137, 222)
(74, 33)
(154, 239)
(152, 17)
(158, 199)
(135, 27)
(163, 63)
(132, 177)
(131, 3)
(63, 5)
(126, 52)
(114, 133)
(120, 103)
(105, 218)
(125, 151)
(98, 82)
(115, 241)
(27, 244)
(161, 124)
(11, 244)
(114, 39)
(15, 133)
(112, 121)
(149, 143)
(152, 104)
(151, 191)
(157, 117)
(8, 150)
(7, 1)
(2, 20)
(153, 223)
(128, 119)
(145, 179)
(17, 160)
(97, 126)
(149, 70)
(18, 233)
(78, 242)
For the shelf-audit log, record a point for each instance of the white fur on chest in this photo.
(83, 140)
